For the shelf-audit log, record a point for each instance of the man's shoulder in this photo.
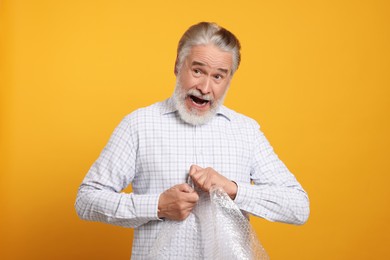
(146, 113)
(238, 118)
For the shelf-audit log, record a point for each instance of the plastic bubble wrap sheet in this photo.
(216, 229)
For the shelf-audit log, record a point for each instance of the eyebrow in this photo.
(197, 63)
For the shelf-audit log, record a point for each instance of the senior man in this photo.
(193, 136)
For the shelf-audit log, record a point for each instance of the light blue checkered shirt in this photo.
(152, 149)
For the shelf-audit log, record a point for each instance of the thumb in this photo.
(194, 168)
(185, 188)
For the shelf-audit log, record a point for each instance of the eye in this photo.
(218, 77)
(196, 72)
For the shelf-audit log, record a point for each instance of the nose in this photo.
(204, 86)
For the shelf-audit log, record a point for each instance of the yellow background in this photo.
(314, 74)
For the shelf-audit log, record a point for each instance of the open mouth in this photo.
(199, 101)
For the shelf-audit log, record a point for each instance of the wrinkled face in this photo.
(202, 83)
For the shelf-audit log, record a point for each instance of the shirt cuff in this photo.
(241, 193)
(147, 206)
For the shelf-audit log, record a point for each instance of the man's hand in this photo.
(177, 202)
(208, 177)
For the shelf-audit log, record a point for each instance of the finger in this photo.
(193, 198)
(207, 182)
(194, 168)
(206, 185)
(197, 174)
(196, 177)
(185, 188)
(190, 197)
(188, 206)
(200, 180)
(208, 179)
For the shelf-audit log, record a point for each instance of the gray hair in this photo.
(205, 33)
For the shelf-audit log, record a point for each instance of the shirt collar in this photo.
(168, 106)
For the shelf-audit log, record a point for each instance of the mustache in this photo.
(198, 94)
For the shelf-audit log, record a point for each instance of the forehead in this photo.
(211, 56)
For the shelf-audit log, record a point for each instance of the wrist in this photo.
(160, 211)
(231, 189)
(160, 215)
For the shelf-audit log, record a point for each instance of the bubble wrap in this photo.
(216, 229)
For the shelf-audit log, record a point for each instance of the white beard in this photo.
(192, 116)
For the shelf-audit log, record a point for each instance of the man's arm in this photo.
(275, 194)
(99, 197)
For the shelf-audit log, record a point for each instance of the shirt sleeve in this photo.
(274, 193)
(99, 196)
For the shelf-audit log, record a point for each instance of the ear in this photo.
(175, 70)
